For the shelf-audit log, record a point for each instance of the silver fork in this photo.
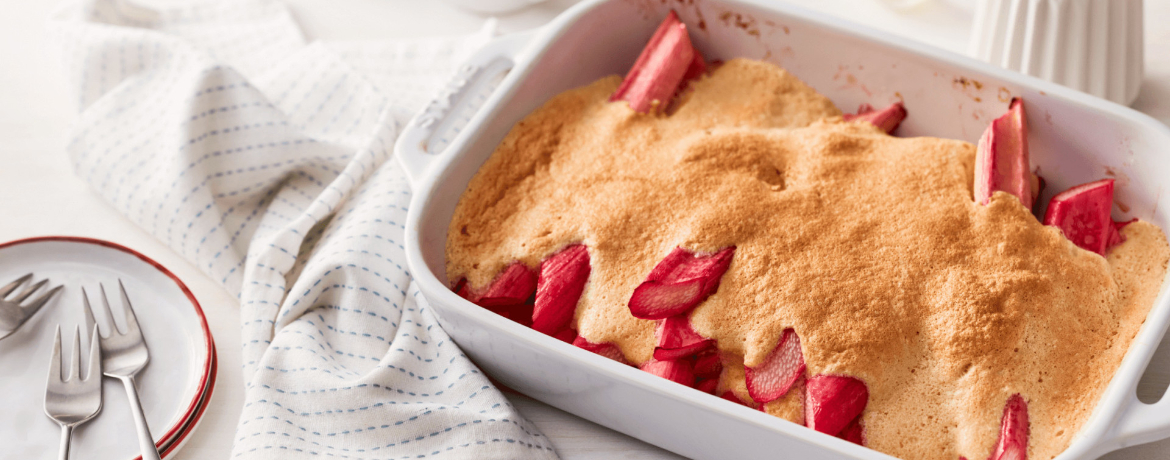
(12, 313)
(74, 400)
(124, 354)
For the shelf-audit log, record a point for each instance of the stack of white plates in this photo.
(174, 388)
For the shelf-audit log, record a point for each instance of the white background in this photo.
(39, 195)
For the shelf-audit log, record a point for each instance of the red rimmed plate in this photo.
(172, 387)
(180, 439)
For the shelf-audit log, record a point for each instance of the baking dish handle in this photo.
(427, 135)
(1142, 423)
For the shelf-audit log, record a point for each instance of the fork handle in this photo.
(145, 440)
(66, 435)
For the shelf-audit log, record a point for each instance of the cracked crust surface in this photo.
(869, 246)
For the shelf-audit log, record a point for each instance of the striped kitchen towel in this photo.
(266, 161)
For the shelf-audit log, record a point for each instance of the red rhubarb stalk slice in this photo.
(853, 432)
(521, 313)
(1013, 431)
(675, 370)
(562, 280)
(730, 396)
(512, 287)
(607, 350)
(462, 290)
(678, 283)
(781, 368)
(1001, 159)
(887, 119)
(660, 70)
(1115, 236)
(707, 385)
(1082, 213)
(833, 401)
(708, 364)
(566, 335)
(677, 339)
(697, 68)
(508, 295)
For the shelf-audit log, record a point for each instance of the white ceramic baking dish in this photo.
(1074, 138)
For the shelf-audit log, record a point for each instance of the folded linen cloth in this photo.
(266, 161)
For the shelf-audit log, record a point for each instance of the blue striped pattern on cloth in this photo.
(266, 161)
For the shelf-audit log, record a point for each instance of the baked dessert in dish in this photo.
(728, 228)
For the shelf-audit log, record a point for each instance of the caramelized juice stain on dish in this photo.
(871, 248)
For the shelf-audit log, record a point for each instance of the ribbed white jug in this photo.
(1091, 45)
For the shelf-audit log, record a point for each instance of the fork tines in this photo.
(74, 373)
(111, 327)
(124, 354)
(71, 399)
(27, 292)
(16, 309)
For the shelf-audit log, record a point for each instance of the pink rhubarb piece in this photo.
(697, 68)
(708, 364)
(678, 283)
(833, 401)
(1013, 431)
(887, 119)
(1082, 214)
(730, 396)
(1001, 159)
(512, 287)
(521, 313)
(1115, 236)
(707, 385)
(780, 370)
(662, 68)
(676, 370)
(607, 350)
(677, 340)
(853, 432)
(566, 335)
(508, 295)
(562, 280)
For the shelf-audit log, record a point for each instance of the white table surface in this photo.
(39, 195)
